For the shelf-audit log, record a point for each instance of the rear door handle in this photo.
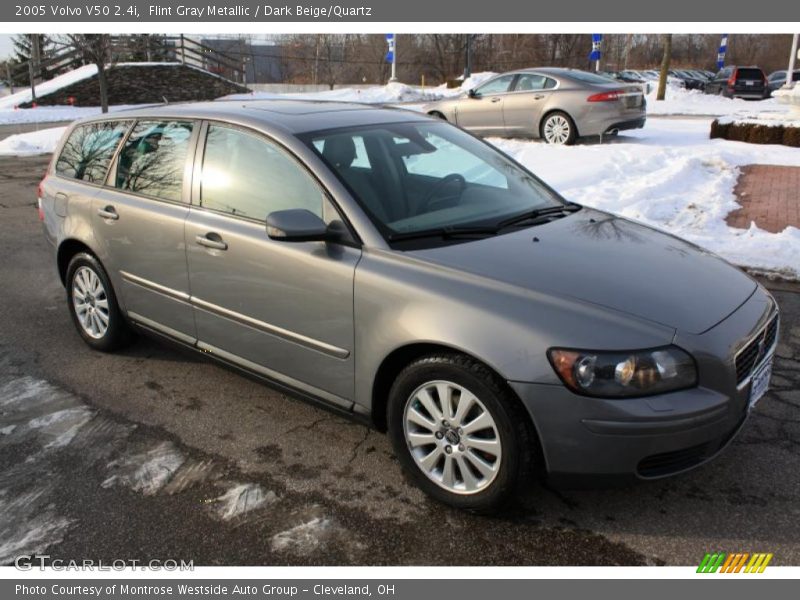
(108, 212)
(538, 96)
(211, 240)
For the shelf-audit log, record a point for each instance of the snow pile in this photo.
(35, 142)
(390, 93)
(476, 79)
(679, 101)
(672, 177)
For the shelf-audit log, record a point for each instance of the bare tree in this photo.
(96, 48)
(662, 78)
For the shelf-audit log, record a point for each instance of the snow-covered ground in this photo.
(694, 102)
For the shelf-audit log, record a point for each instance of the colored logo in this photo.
(739, 562)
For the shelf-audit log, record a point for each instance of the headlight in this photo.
(624, 374)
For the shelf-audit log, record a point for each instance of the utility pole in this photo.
(662, 78)
(792, 57)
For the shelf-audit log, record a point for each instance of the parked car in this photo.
(690, 80)
(629, 76)
(654, 76)
(777, 80)
(749, 83)
(397, 269)
(557, 105)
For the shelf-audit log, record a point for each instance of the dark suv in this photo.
(749, 83)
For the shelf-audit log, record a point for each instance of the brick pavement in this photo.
(769, 195)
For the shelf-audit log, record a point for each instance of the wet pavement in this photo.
(155, 453)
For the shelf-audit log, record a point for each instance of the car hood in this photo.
(612, 262)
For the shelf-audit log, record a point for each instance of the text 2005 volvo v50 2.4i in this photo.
(399, 269)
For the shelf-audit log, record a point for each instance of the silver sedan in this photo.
(557, 105)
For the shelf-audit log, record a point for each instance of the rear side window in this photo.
(247, 176)
(528, 82)
(153, 160)
(89, 150)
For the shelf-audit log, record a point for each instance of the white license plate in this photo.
(760, 382)
(749, 82)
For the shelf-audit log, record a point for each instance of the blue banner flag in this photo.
(390, 43)
(597, 42)
(723, 48)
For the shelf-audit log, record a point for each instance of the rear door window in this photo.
(89, 150)
(153, 161)
(529, 82)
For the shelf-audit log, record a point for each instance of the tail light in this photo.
(732, 78)
(606, 96)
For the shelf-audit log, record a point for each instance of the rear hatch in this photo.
(749, 80)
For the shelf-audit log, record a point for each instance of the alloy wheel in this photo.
(90, 302)
(452, 437)
(557, 129)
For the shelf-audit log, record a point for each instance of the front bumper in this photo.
(586, 439)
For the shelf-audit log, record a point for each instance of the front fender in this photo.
(401, 301)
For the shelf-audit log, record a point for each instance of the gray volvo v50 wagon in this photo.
(395, 267)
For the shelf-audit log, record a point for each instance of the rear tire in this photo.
(93, 305)
(558, 128)
(459, 432)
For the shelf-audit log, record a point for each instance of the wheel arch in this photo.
(66, 250)
(549, 112)
(401, 357)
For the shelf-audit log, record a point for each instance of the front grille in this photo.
(755, 350)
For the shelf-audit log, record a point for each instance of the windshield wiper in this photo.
(445, 233)
(537, 213)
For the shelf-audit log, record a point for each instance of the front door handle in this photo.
(538, 96)
(108, 212)
(496, 99)
(211, 240)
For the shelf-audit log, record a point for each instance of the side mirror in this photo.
(472, 93)
(297, 225)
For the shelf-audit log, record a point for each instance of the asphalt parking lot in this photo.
(155, 453)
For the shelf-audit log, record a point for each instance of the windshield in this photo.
(412, 177)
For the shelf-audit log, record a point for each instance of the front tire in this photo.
(459, 432)
(93, 305)
(558, 128)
